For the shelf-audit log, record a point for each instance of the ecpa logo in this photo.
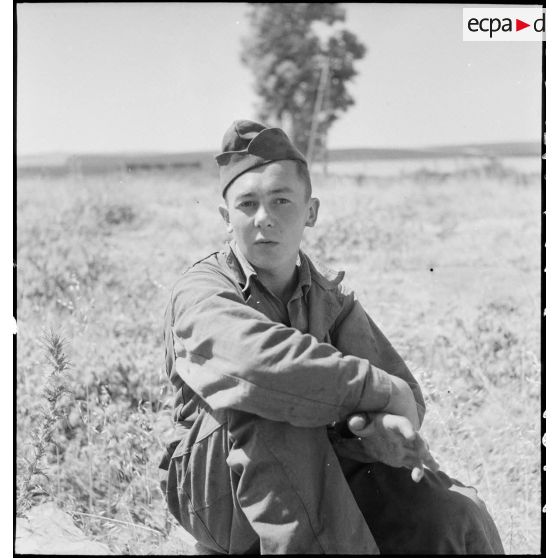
(504, 24)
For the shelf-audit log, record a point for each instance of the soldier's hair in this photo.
(303, 173)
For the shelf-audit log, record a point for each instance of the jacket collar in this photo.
(325, 277)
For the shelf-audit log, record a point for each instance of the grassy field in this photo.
(448, 266)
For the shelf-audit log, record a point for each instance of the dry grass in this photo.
(449, 269)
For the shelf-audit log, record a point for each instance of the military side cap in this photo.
(247, 145)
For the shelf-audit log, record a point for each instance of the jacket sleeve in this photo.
(234, 357)
(355, 333)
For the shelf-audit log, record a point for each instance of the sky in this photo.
(99, 77)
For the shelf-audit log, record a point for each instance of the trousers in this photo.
(241, 484)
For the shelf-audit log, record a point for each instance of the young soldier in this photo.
(277, 367)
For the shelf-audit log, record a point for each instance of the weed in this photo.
(33, 480)
(118, 214)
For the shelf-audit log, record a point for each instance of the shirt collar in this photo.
(249, 273)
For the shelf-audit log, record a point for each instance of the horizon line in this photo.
(208, 151)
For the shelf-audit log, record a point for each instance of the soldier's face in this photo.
(266, 213)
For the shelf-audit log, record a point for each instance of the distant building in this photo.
(85, 164)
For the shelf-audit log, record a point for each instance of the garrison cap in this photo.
(247, 145)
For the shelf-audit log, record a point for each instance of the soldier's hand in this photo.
(402, 402)
(391, 439)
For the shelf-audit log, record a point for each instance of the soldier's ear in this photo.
(224, 211)
(313, 209)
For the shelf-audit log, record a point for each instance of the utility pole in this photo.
(324, 79)
(323, 142)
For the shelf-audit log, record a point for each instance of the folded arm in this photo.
(379, 437)
(233, 356)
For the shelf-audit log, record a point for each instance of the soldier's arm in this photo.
(355, 333)
(235, 357)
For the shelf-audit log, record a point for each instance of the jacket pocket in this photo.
(199, 491)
